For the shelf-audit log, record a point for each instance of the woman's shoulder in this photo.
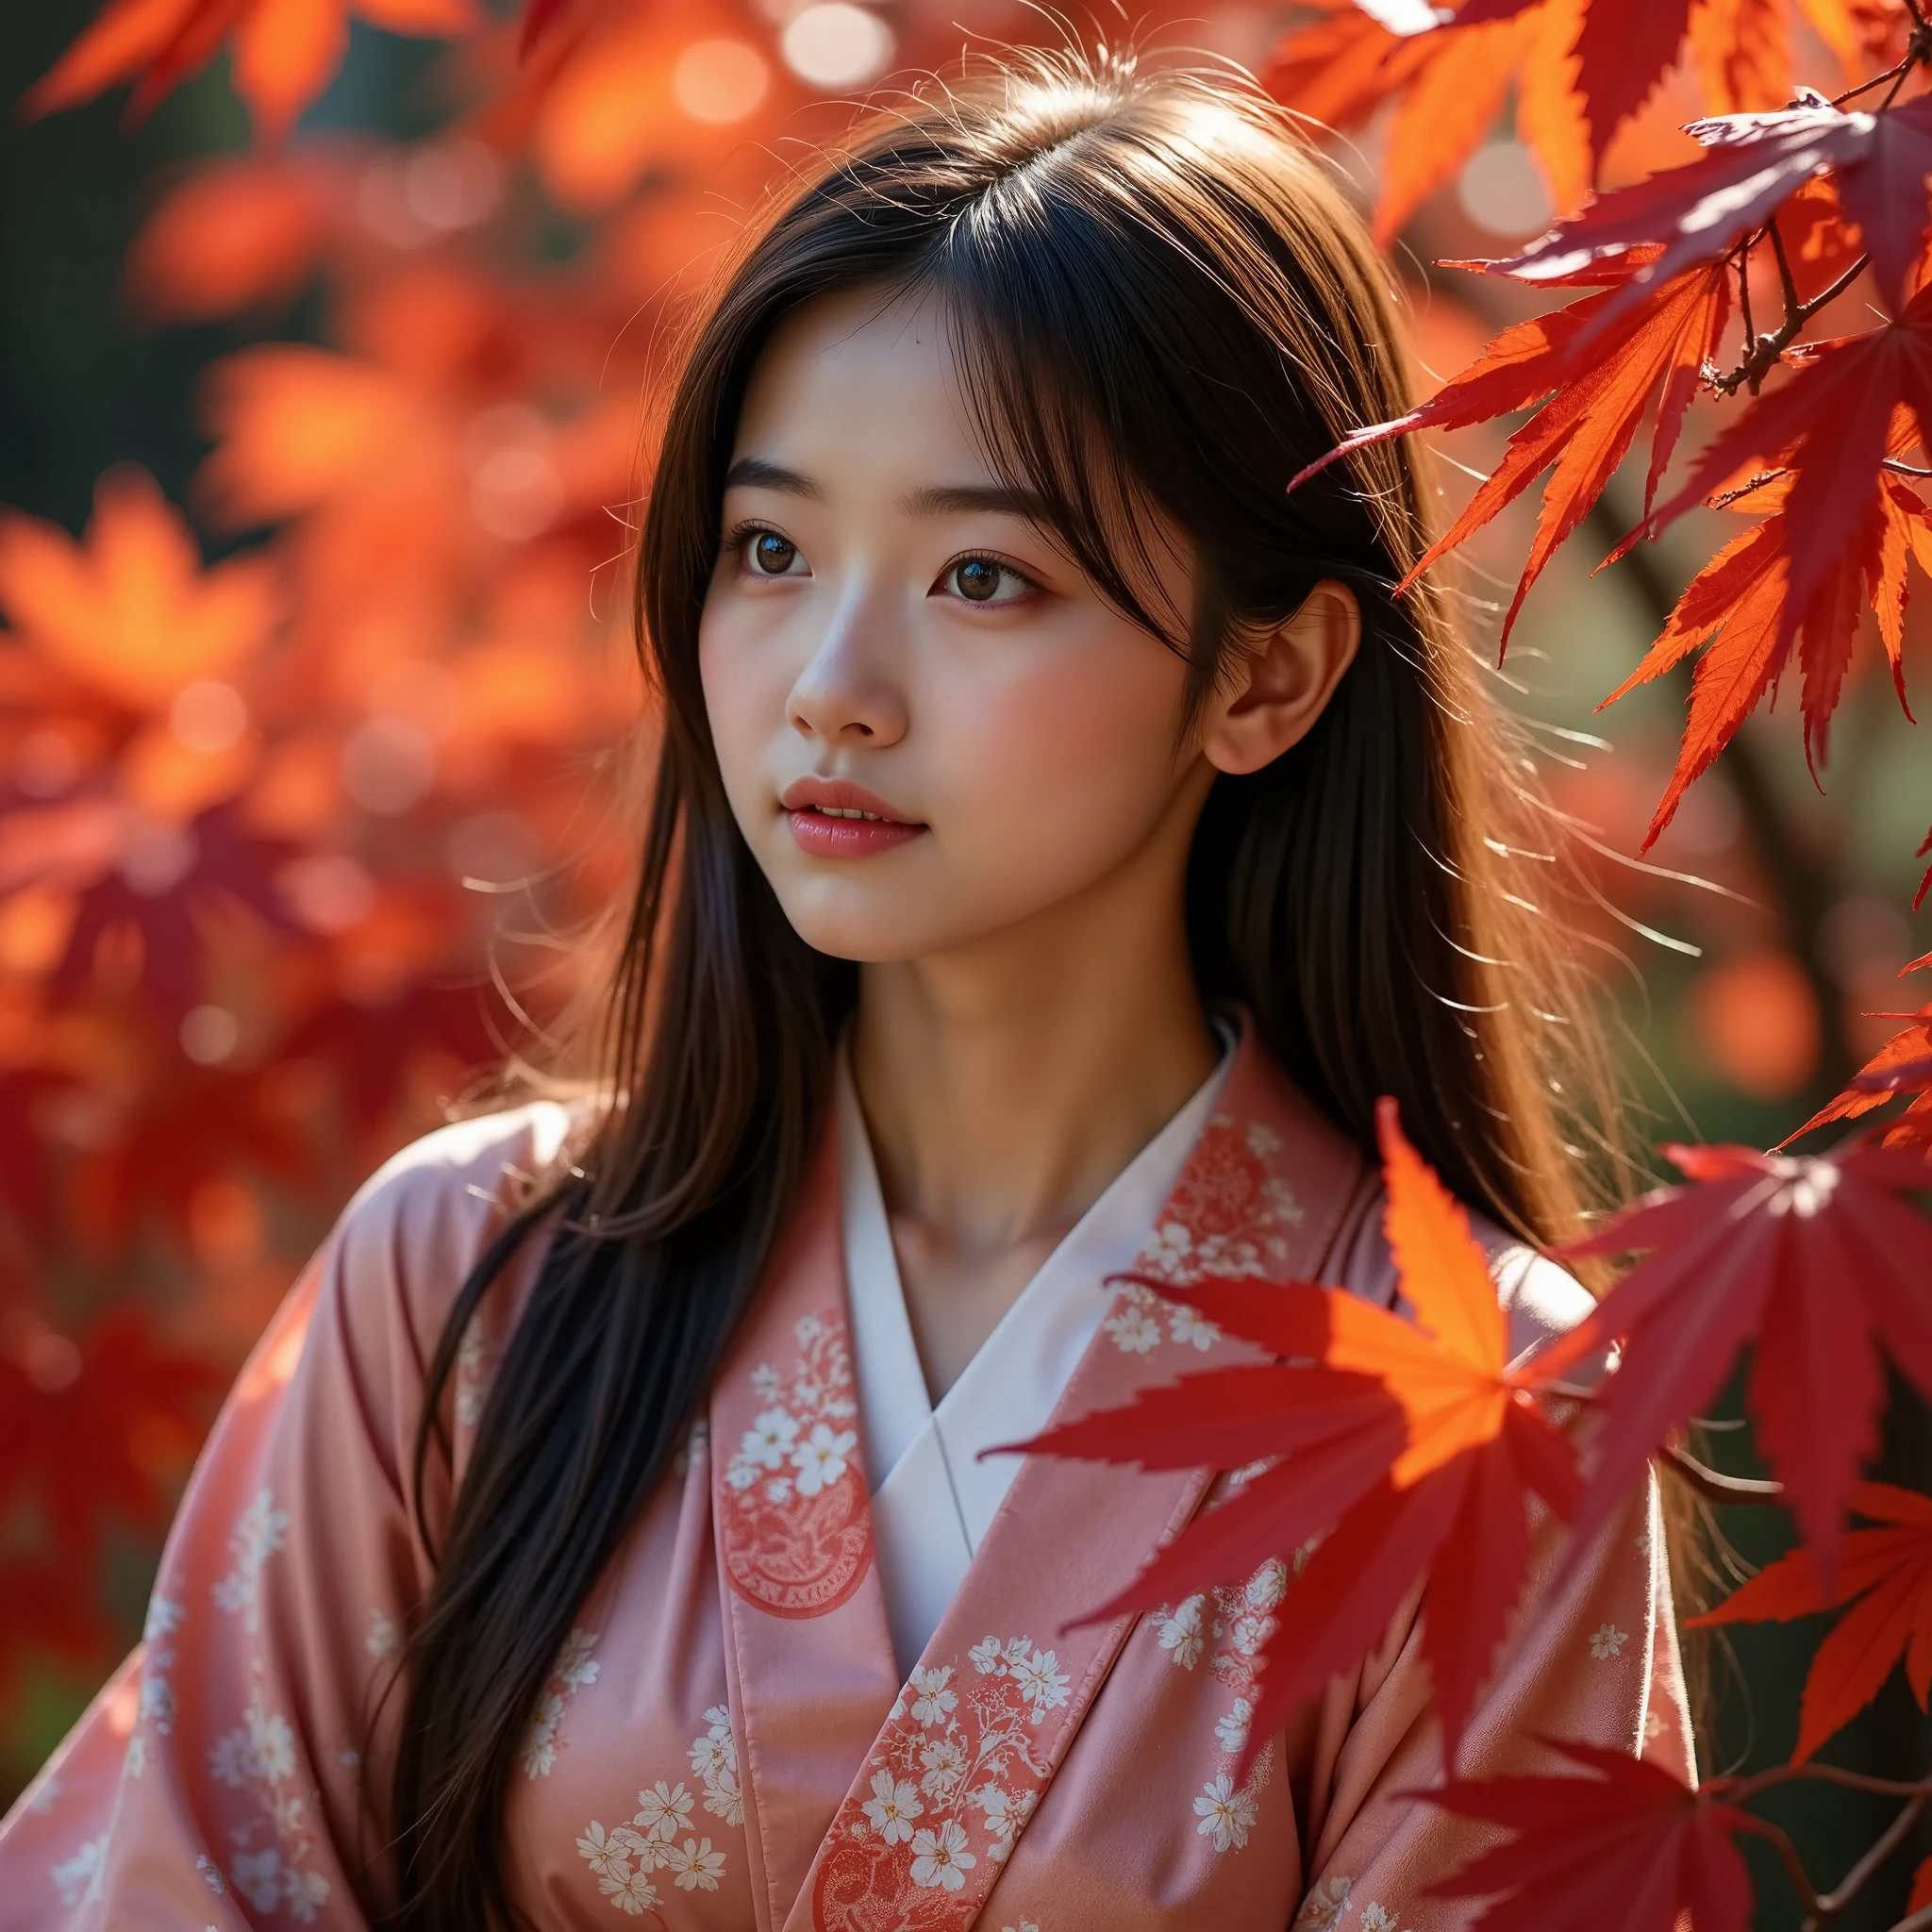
(409, 1236)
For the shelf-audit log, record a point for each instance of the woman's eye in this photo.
(772, 555)
(981, 580)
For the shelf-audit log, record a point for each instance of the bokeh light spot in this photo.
(836, 44)
(720, 81)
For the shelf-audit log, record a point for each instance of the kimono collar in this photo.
(869, 1802)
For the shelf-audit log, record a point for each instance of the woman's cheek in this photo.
(1060, 774)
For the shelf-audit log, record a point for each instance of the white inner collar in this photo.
(932, 1499)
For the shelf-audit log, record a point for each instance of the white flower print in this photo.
(764, 1379)
(263, 1750)
(573, 1668)
(1262, 1141)
(891, 1807)
(769, 1440)
(1379, 1917)
(693, 1866)
(1606, 1641)
(945, 1764)
(381, 1640)
(1024, 1925)
(807, 1328)
(630, 1891)
(663, 1810)
(258, 1877)
(986, 1656)
(1187, 1325)
(258, 1533)
(1265, 1588)
(722, 1798)
(210, 1875)
(1232, 1730)
(1041, 1682)
(1249, 1633)
(1169, 1245)
(820, 1460)
(931, 1700)
(163, 1619)
(740, 1475)
(1005, 1816)
(1180, 1632)
(79, 1879)
(606, 1850)
(1226, 1814)
(778, 1490)
(711, 1753)
(940, 1857)
(1134, 1331)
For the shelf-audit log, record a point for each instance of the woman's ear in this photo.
(1281, 682)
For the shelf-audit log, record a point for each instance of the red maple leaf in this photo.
(285, 50)
(98, 1430)
(1830, 427)
(1414, 1444)
(1816, 1261)
(1623, 49)
(1901, 1065)
(1700, 212)
(1583, 432)
(1632, 1849)
(1739, 610)
(1886, 1577)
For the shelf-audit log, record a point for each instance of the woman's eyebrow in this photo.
(755, 473)
(997, 498)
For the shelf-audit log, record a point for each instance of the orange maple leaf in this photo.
(1582, 433)
(1886, 1577)
(130, 611)
(236, 235)
(285, 50)
(1741, 606)
(1414, 1444)
(1449, 84)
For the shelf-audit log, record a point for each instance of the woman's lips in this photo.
(827, 835)
(833, 818)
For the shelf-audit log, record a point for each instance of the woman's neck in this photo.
(1005, 1085)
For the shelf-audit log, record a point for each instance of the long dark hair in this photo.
(1160, 298)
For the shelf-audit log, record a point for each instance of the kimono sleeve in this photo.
(216, 1780)
(1591, 1655)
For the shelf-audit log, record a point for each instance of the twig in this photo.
(1715, 1486)
(1742, 258)
(1919, 1921)
(1748, 1787)
(1901, 468)
(1794, 1866)
(1835, 1901)
(1761, 354)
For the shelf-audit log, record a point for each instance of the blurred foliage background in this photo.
(318, 454)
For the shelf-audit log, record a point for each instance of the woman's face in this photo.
(931, 726)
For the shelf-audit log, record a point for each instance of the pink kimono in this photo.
(724, 1741)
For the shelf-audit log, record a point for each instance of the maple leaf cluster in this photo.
(293, 841)
(1827, 196)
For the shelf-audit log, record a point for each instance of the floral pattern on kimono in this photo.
(799, 1535)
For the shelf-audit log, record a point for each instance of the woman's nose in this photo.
(848, 692)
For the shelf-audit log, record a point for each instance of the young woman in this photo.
(1060, 837)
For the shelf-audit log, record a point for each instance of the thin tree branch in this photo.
(1748, 1787)
(1794, 1866)
(1761, 355)
(1835, 1901)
